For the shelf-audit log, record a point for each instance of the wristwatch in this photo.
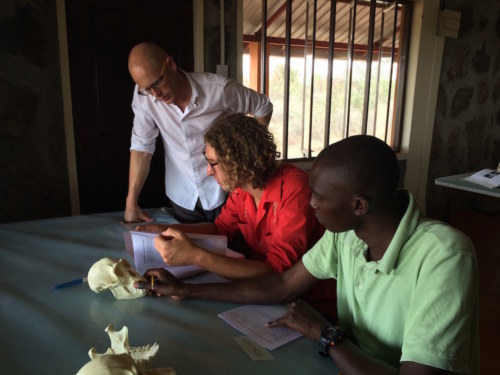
(329, 337)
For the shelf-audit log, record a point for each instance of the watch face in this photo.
(329, 332)
(328, 335)
(331, 336)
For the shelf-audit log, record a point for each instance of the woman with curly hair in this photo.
(268, 205)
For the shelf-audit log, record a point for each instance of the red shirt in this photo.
(281, 229)
(284, 225)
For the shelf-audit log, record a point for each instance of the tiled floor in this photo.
(484, 230)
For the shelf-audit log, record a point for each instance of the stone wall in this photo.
(467, 123)
(33, 171)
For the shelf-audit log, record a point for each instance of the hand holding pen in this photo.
(162, 283)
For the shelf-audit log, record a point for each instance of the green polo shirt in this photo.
(418, 303)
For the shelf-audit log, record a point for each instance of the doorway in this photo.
(100, 36)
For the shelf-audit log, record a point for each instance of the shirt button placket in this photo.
(360, 278)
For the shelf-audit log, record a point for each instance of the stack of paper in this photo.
(489, 178)
(140, 246)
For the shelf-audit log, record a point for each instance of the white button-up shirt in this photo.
(186, 179)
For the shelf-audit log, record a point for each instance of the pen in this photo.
(71, 283)
(152, 282)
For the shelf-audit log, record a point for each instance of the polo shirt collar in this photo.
(405, 230)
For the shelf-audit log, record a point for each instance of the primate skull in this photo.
(117, 276)
(110, 364)
(120, 345)
(121, 358)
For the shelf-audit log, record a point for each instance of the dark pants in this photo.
(198, 215)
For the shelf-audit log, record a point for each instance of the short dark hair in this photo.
(369, 165)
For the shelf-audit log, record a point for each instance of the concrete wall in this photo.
(212, 40)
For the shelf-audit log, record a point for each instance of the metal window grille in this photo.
(332, 69)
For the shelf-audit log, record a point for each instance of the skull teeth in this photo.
(120, 344)
(142, 354)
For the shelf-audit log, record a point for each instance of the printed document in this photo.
(489, 178)
(140, 246)
(251, 320)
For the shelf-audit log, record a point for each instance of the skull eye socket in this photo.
(118, 271)
(131, 273)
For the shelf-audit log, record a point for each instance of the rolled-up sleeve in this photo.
(144, 131)
(243, 99)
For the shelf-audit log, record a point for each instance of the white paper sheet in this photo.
(251, 320)
(489, 178)
(140, 247)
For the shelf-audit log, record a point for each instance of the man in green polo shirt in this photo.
(406, 285)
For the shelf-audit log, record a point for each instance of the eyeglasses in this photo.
(147, 91)
(212, 165)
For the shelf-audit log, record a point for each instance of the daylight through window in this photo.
(331, 68)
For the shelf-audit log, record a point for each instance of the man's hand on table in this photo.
(165, 284)
(153, 228)
(304, 318)
(134, 214)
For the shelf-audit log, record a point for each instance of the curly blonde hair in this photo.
(245, 150)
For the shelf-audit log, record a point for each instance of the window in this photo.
(331, 68)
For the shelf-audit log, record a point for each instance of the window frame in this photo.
(398, 88)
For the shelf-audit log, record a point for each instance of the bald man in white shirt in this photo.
(180, 106)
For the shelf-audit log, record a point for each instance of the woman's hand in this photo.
(175, 248)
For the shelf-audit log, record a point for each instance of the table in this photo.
(457, 182)
(47, 331)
